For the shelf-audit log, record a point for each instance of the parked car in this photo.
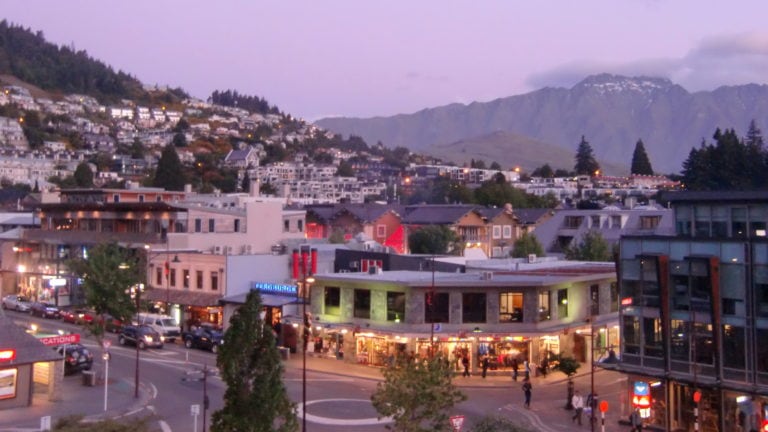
(16, 302)
(77, 316)
(143, 335)
(112, 324)
(163, 324)
(206, 338)
(44, 310)
(77, 358)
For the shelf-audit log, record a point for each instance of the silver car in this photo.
(16, 302)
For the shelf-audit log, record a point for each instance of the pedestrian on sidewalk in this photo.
(527, 387)
(514, 368)
(578, 405)
(636, 421)
(486, 363)
(527, 369)
(465, 363)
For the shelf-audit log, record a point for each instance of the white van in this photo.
(163, 324)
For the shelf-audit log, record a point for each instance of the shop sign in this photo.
(60, 340)
(641, 398)
(275, 288)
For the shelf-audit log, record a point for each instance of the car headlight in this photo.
(148, 338)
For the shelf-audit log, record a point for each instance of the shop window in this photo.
(395, 306)
(362, 304)
(562, 303)
(734, 351)
(652, 333)
(332, 301)
(436, 307)
(214, 281)
(762, 351)
(631, 335)
(473, 308)
(680, 340)
(173, 278)
(510, 307)
(199, 279)
(185, 278)
(544, 306)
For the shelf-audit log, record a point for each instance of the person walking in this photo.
(486, 363)
(635, 421)
(465, 363)
(527, 387)
(514, 368)
(527, 369)
(578, 405)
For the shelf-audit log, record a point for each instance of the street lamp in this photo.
(308, 263)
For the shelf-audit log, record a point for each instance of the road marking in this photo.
(164, 426)
(341, 422)
(533, 418)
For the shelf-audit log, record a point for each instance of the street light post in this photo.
(136, 382)
(307, 280)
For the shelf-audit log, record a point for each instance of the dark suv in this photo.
(77, 358)
(44, 310)
(143, 335)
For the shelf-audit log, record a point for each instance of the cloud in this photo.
(714, 62)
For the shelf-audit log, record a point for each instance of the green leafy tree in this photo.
(170, 173)
(640, 162)
(76, 423)
(83, 175)
(527, 244)
(432, 239)
(586, 164)
(569, 366)
(255, 399)
(418, 394)
(544, 171)
(108, 271)
(494, 423)
(592, 247)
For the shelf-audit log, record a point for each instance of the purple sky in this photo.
(366, 58)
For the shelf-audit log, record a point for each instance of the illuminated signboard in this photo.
(641, 398)
(60, 340)
(274, 288)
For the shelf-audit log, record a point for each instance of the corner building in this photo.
(694, 314)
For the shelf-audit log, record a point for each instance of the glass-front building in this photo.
(694, 313)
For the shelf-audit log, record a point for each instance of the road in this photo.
(336, 401)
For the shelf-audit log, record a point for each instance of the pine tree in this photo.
(255, 399)
(585, 159)
(417, 394)
(83, 175)
(170, 172)
(640, 163)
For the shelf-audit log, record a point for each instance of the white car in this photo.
(16, 302)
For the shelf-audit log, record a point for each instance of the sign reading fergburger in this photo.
(60, 340)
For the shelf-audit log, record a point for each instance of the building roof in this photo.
(437, 214)
(531, 216)
(694, 196)
(367, 212)
(28, 348)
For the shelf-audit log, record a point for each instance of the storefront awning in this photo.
(186, 298)
(266, 299)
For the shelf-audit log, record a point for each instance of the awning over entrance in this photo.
(266, 299)
(187, 298)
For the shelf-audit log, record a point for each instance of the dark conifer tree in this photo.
(170, 172)
(640, 163)
(586, 164)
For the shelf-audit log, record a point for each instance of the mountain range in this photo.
(545, 126)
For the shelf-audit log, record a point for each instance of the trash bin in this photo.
(89, 378)
(285, 353)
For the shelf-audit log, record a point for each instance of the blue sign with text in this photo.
(274, 288)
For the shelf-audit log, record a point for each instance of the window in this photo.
(703, 343)
(497, 231)
(199, 279)
(173, 277)
(198, 225)
(332, 301)
(116, 198)
(300, 225)
(734, 351)
(680, 340)
(510, 307)
(616, 221)
(473, 308)
(595, 221)
(683, 220)
(631, 335)
(738, 222)
(211, 225)
(762, 350)
(614, 296)
(436, 307)
(594, 300)
(286, 225)
(507, 231)
(395, 306)
(652, 333)
(362, 303)
(214, 281)
(572, 222)
(562, 303)
(544, 302)
(141, 198)
(649, 222)
(159, 276)
(185, 278)
(701, 224)
(237, 225)
(381, 231)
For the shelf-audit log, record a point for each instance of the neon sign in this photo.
(641, 398)
(274, 288)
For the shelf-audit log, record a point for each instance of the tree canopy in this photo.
(417, 393)
(640, 162)
(592, 247)
(527, 244)
(431, 239)
(83, 175)
(170, 172)
(586, 164)
(255, 399)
